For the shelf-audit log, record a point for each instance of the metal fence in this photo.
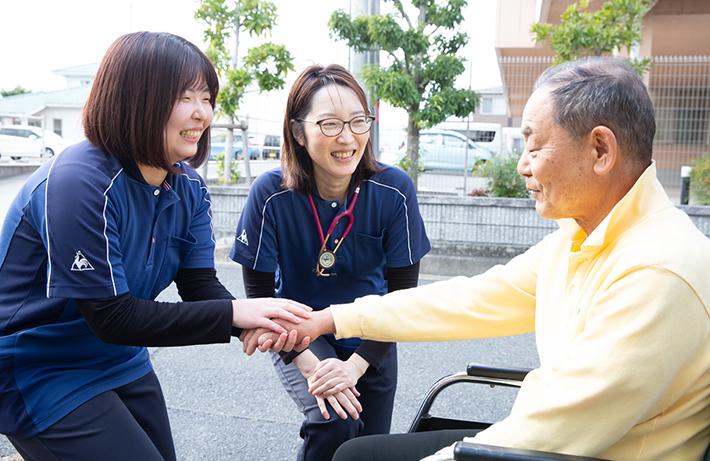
(680, 90)
(679, 87)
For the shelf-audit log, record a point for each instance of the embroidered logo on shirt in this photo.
(243, 238)
(81, 263)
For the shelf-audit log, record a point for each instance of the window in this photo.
(454, 141)
(492, 105)
(427, 139)
(57, 126)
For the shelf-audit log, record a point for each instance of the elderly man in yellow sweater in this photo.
(618, 296)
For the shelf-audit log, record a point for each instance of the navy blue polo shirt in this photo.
(86, 226)
(277, 233)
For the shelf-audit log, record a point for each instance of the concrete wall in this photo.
(12, 170)
(468, 234)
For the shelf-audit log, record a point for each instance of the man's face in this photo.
(558, 170)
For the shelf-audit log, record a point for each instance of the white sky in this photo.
(40, 36)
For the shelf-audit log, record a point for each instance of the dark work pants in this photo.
(399, 447)
(127, 423)
(321, 437)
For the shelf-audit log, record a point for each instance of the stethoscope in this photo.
(326, 258)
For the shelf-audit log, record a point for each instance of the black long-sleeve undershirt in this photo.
(259, 284)
(204, 317)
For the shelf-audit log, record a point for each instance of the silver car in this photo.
(446, 150)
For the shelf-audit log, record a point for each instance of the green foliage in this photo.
(17, 90)
(220, 170)
(700, 180)
(615, 26)
(267, 64)
(503, 177)
(405, 164)
(422, 43)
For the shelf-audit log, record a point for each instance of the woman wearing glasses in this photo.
(327, 227)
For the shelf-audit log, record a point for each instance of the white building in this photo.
(58, 111)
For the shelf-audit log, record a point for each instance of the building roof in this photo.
(32, 103)
(491, 90)
(84, 70)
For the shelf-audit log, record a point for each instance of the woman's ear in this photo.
(297, 132)
(606, 149)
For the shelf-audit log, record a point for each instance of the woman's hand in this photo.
(332, 376)
(275, 342)
(260, 312)
(344, 402)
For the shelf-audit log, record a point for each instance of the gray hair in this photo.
(603, 91)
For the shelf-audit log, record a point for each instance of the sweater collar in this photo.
(647, 196)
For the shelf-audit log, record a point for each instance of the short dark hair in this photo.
(604, 91)
(135, 90)
(296, 164)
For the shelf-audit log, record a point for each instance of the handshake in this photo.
(279, 324)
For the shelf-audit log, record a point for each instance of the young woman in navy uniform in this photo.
(89, 242)
(331, 225)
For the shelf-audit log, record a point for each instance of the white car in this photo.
(30, 141)
(443, 150)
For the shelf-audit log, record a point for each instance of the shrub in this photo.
(700, 180)
(503, 177)
(220, 169)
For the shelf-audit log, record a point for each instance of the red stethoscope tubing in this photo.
(348, 213)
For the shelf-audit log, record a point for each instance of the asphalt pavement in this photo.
(225, 406)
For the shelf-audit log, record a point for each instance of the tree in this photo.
(617, 25)
(424, 65)
(266, 64)
(18, 90)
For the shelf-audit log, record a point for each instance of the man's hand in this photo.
(319, 323)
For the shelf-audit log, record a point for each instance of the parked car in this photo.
(443, 150)
(19, 141)
(218, 143)
(272, 146)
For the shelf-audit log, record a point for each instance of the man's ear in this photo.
(606, 149)
(297, 133)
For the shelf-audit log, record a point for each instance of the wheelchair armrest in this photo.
(467, 451)
(476, 374)
(484, 371)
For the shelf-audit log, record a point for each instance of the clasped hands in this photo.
(294, 335)
(330, 380)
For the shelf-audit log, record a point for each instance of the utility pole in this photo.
(359, 60)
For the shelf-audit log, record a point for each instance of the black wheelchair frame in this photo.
(466, 451)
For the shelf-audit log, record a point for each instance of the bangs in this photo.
(197, 72)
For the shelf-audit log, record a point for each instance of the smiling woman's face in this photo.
(191, 115)
(334, 158)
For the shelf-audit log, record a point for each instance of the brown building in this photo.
(675, 34)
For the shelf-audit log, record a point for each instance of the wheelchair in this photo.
(466, 451)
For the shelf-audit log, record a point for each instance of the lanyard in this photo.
(326, 258)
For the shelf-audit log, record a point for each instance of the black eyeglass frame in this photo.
(342, 124)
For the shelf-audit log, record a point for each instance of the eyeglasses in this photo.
(334, 126)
